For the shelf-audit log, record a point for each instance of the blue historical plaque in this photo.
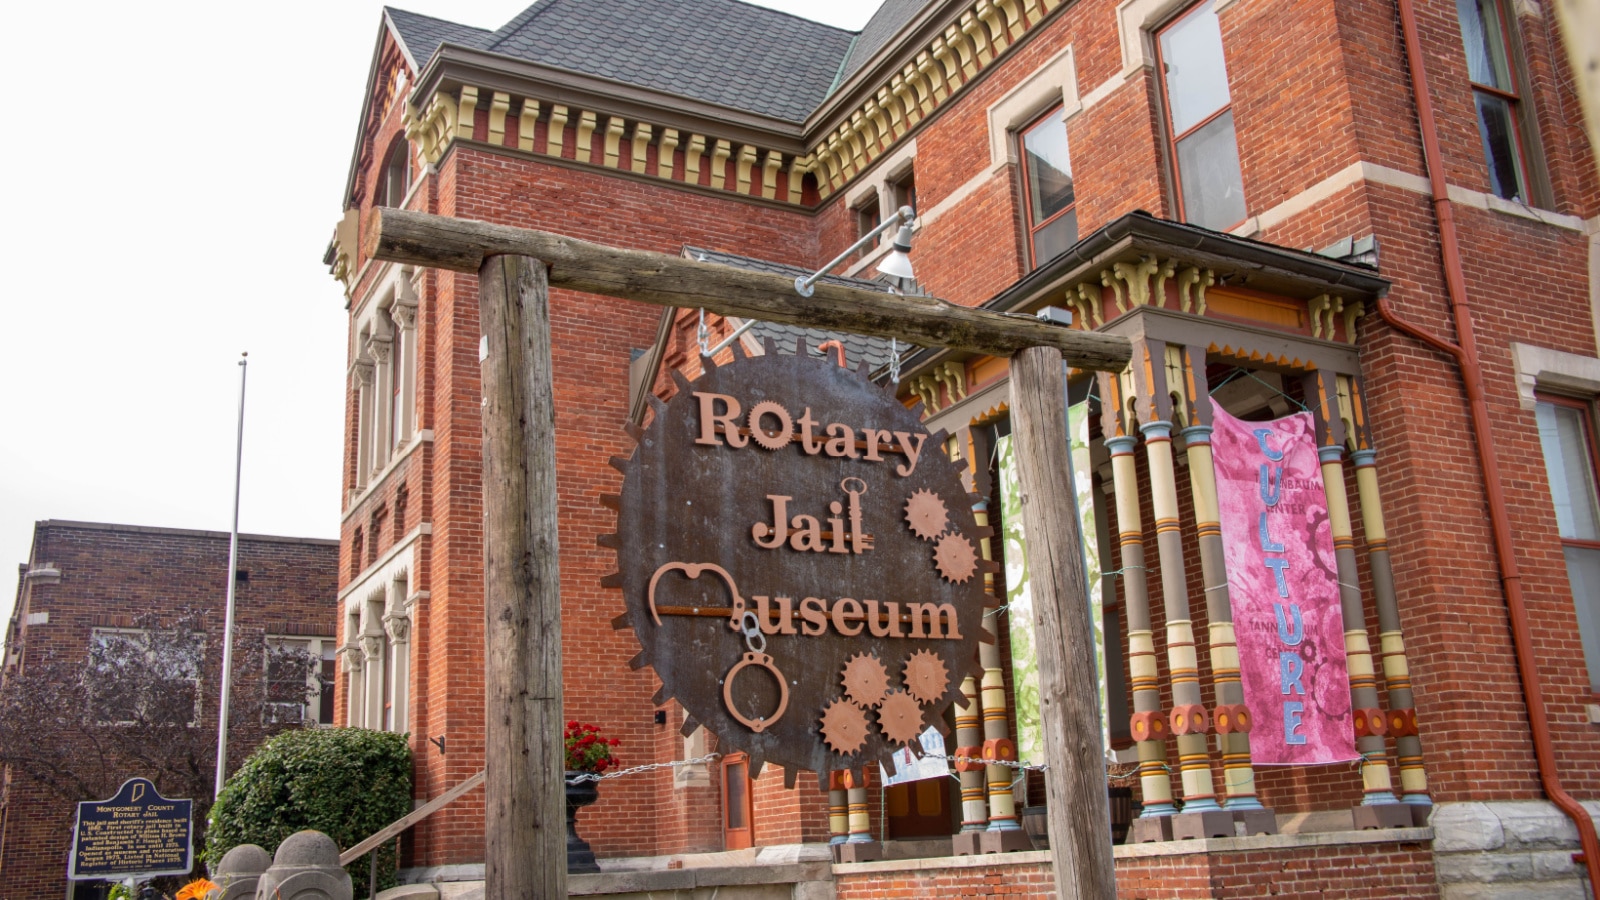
(137, 832)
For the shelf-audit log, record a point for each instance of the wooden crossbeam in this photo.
(461, 245)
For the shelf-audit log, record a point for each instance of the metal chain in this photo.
(894, 360)
(1008, 763)
(594, 776)
(703, 334)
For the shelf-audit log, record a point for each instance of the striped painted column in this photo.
(969, 742)
(1194, 760)
(838, 808)
(1402, 712)
(1375, 779)
(1239, 778)
(1149, 727)
(997, 743)
(860, 823)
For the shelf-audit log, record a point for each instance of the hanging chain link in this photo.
(894, 360)
(594, 776)
(1008, 763)
(754, 640)
(703, 334)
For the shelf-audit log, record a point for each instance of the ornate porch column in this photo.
(362, 370)
(372, 646)
(378, 347)
(1157, 375)
(397, 624)
(1148, 726)
(355, 684)
(1402, 713)
(404, 312)
(1239, 778)
(1379, 808)
(838, 808)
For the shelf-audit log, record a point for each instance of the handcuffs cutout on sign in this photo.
(740, 620)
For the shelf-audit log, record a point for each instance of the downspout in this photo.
(1465, 352)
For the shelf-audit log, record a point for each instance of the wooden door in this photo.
(737, 829)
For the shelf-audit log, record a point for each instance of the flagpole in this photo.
(233, 579)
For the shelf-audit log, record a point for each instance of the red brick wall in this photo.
(1335, 873)
(110, 573)
(1315, 87)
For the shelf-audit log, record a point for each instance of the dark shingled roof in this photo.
(884, 24)
(856, 347)
(422, 35)
(720, 51)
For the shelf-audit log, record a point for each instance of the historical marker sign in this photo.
(137, 832)
(800, 562)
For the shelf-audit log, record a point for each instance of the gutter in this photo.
(1465, 353)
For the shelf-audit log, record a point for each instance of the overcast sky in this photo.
(174, 174)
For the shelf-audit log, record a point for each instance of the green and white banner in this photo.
(1019, 600)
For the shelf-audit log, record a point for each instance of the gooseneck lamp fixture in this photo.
(896, 264)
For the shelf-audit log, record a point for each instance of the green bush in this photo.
(344, 782)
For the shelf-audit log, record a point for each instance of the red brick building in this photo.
(1250, 190)
(88, 582)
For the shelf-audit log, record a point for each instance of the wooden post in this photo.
(524, 794)
(1069, 705)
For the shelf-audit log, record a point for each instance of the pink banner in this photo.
(1284, 586)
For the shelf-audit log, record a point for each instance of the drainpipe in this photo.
(1465, 352)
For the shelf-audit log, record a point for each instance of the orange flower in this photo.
(196, 890)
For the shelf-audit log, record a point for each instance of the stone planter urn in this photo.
(579, 857)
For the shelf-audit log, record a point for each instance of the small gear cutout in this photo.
(955, 558)
(900, 719)
(844, 726)
(925, 676)
(865, 680)
(759, 434)
(926, 515)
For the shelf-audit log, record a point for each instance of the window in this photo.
(1494, 92)
(1047, 182)
(868, 216)
(397, 175)
(903, 190)
(1205, 152)
(299, 688)
(1566, 430)
(136, 677)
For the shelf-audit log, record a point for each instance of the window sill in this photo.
(357, 498)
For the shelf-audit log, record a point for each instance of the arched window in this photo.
(397, 174)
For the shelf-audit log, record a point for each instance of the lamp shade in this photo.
(898, 263)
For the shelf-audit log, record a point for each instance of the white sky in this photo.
(174, 174)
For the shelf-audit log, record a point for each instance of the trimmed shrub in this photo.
(344, 782)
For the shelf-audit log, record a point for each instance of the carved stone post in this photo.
(378, 347)
(373, 646)
(405, 316)
(356, 689)
(398, 626)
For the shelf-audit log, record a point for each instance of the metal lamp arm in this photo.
(903, 215)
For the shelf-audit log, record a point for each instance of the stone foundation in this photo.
(1507, 851)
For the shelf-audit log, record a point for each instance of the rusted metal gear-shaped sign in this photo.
(799, 562)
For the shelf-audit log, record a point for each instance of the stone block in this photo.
(1554, 864)
(1255, 821)
(1004, 841)
(1533, 825)
(1461, 827)
(1211, 823)
(965, 843)
(1381, 815)
(866, 851)
(1150, 829)
(1527, 891)
(410, 892)
(1483, 868)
